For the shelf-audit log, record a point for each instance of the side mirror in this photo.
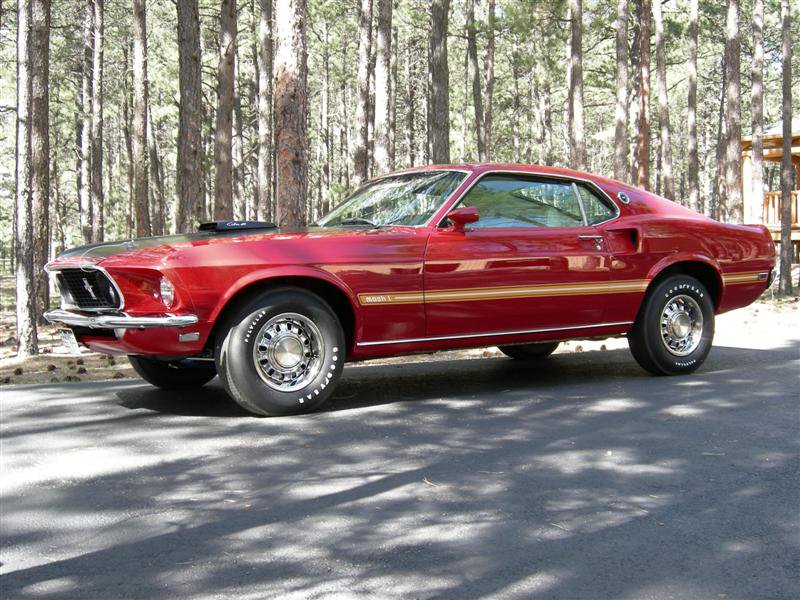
(461, 217)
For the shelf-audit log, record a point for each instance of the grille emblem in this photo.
(89, 288)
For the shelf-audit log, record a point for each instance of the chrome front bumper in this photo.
(117, 320)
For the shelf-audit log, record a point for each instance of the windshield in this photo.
(403, 199)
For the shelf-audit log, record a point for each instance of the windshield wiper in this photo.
(357, 221)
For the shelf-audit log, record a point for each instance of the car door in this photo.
(534, 260)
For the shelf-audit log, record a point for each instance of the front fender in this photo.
(264, 275)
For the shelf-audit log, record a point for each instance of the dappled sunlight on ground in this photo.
(455, 478)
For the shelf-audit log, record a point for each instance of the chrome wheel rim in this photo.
(681, 325)
(288, 352)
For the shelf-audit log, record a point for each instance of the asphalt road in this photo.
(580, 478)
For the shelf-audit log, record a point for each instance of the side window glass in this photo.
(596, 210)
(509, 201)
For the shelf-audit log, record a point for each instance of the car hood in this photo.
(168, 244)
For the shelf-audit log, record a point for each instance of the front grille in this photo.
(88, 289)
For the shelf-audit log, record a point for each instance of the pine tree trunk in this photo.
(79, 139)
(488, 72)
(40, 148)
(26, 287)
(411, 109)
(97, 123)
(383, 83)
(663, 104)
(126, 132)
(265, 124)
(515, 106)
(693, 162)
(361, 157)
(393, 102)
(139, 142)
(189, 163)
(621, 110)
(577, 145)
(717, 208)
(643, 140)
(473, 74)
(635, 24)
(290, 112)
(155, 180)
(85, 208)
(237, 143)
(223, 138)
(757, 110)
(371, 114)
(733, 117)
(325, 122)
(440, 83)
(787, 171)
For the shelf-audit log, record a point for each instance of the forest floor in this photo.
(758, 323)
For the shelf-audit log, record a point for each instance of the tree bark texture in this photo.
(787, 171)
(383, 84)
(189, 164)
(26, 290)
(97, 123)
(361, 153)
(643, 141)
(223, 138)
(668, 190)
(473, 74)
(693, 162)
(488, 72)
(290, 112)
(139, 141)
(577, 144)
(757, 114)
(621, 109)
(40, 148)
(85, 196)
(265, 122)
(733, 117)
(440, 83)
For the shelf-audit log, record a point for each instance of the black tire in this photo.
(173, 375)
(252, 387)
(530, 351)
(650, 348)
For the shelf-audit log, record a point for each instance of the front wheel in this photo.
(281, 352)
(173, 374)
(675, 327)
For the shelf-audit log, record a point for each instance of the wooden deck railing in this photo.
(772, 208)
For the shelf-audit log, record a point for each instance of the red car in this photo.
(433, 258)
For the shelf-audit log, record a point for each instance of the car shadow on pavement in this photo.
(423, 379)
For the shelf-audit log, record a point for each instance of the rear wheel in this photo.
(174, 374)
(281, 352)
(529, 351)
(674, 331)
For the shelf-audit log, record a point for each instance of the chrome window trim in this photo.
(52, 270)
(492, 334)
(565, 178)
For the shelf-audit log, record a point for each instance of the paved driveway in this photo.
(580, 478)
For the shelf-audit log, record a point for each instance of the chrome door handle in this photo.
(597, 239)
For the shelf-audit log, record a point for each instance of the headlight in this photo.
(167, 291)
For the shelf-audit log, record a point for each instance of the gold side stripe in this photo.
(745, 277)
(503, 293)
(535, 291)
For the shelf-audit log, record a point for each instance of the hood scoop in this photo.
(234, 225)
